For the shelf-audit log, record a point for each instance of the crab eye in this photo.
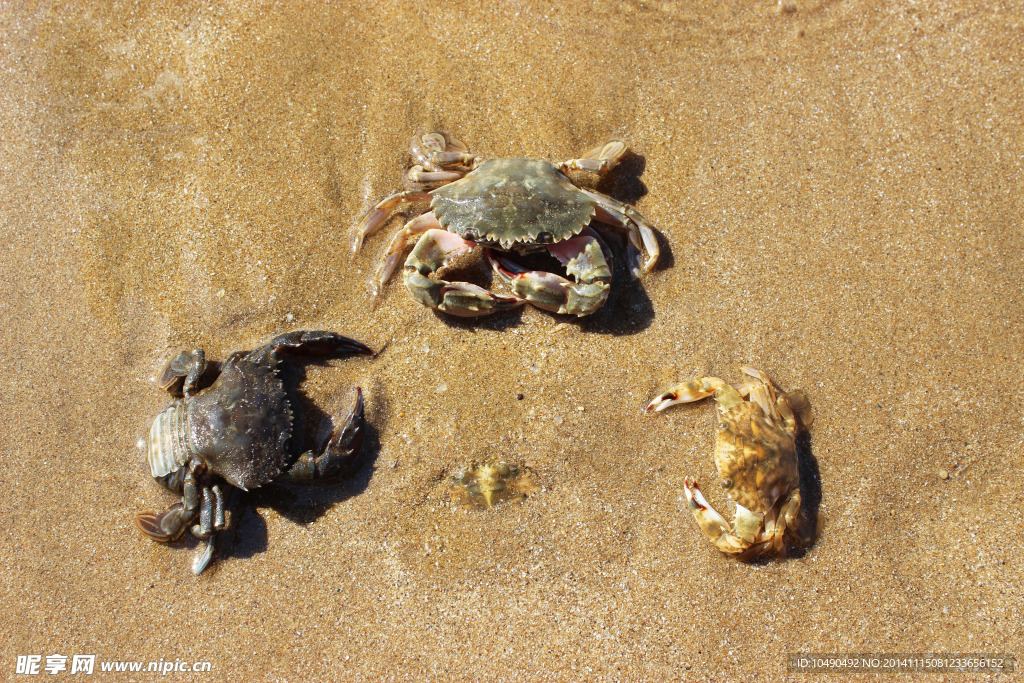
(727, 483)
(470, 235)
(545, 238)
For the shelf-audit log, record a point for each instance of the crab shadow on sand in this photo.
(810, 497)
(628, 309)
(301, 504)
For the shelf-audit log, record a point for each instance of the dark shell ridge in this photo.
(242, 424)
(509, 201)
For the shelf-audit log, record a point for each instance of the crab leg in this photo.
(788, 513)
(164, 526)
(796, 406)
(420, 178)
(760, 375)
(373, 219)
(205, 527)
(219, 521)
(744, 388)
(211, 512)
(583, 260)
(769, 388)
(601, 159)
(785, 407)
(211, 544)
(338, 455)
(760, 395)
(205, 555)
(168, 525)
(715, 527)
(433, 250)
(440, 159)
(187, 365)
(437, 151)
(639, 231)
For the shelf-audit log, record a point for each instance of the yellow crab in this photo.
(480, 486)
(755, 453)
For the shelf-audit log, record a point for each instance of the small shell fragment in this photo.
(480, 486)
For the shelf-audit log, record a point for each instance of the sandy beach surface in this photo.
(837, 189)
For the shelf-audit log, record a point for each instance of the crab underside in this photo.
(236, 434)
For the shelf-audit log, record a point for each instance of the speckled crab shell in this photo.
(240, 426)
(756, 460)
(513, 202)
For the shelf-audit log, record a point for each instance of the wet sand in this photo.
(838, 190)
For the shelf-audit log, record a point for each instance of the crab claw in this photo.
(663, 401)
(686, 392)
(164, 526)
(583, 259)
(339, 455)
(435, 249)
(717, 529)
(544, 290)
(319, 343)
(463, 299)
(694, 497)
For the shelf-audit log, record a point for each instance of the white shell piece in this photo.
(167, 448)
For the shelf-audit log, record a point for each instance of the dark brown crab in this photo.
(236, 434)
(509, 206)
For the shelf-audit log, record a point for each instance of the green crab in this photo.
(755, 453)
(509, 206)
